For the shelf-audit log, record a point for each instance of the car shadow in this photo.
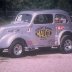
(4, 54)
(41, 51)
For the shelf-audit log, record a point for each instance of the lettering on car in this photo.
(43, 32)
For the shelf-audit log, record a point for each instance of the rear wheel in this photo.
(16, 49)
(66, 44)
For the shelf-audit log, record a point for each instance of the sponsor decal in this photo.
(43, 32)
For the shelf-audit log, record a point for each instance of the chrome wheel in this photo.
(68, 45)
(18, 49)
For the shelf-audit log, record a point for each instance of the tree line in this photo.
(18, 5)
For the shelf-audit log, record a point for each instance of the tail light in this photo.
(60, 27)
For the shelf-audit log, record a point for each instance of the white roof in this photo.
(44, 11)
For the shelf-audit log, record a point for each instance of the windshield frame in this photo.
(25, 17)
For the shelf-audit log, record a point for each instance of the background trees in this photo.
(13, 5)
(18, 5)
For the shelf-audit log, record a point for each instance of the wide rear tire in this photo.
(66, 44)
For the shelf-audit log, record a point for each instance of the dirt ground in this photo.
(43, 61)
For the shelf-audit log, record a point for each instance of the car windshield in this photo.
(24, 18)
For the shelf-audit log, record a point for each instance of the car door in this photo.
(43, 30)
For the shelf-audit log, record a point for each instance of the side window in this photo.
(43, 19)
(59, 18)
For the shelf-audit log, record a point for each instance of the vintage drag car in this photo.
(35, 29)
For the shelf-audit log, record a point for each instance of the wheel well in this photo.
(66, 33)
(21, 40)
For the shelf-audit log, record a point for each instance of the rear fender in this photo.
(60, 35)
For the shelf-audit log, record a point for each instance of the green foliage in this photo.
(29, 4)
(64, 4)
(38, 4)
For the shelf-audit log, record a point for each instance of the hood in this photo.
(14, 25)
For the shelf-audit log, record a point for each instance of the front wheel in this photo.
(66, 44)
(16, 49)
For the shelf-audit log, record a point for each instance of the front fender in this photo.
(7, 39)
